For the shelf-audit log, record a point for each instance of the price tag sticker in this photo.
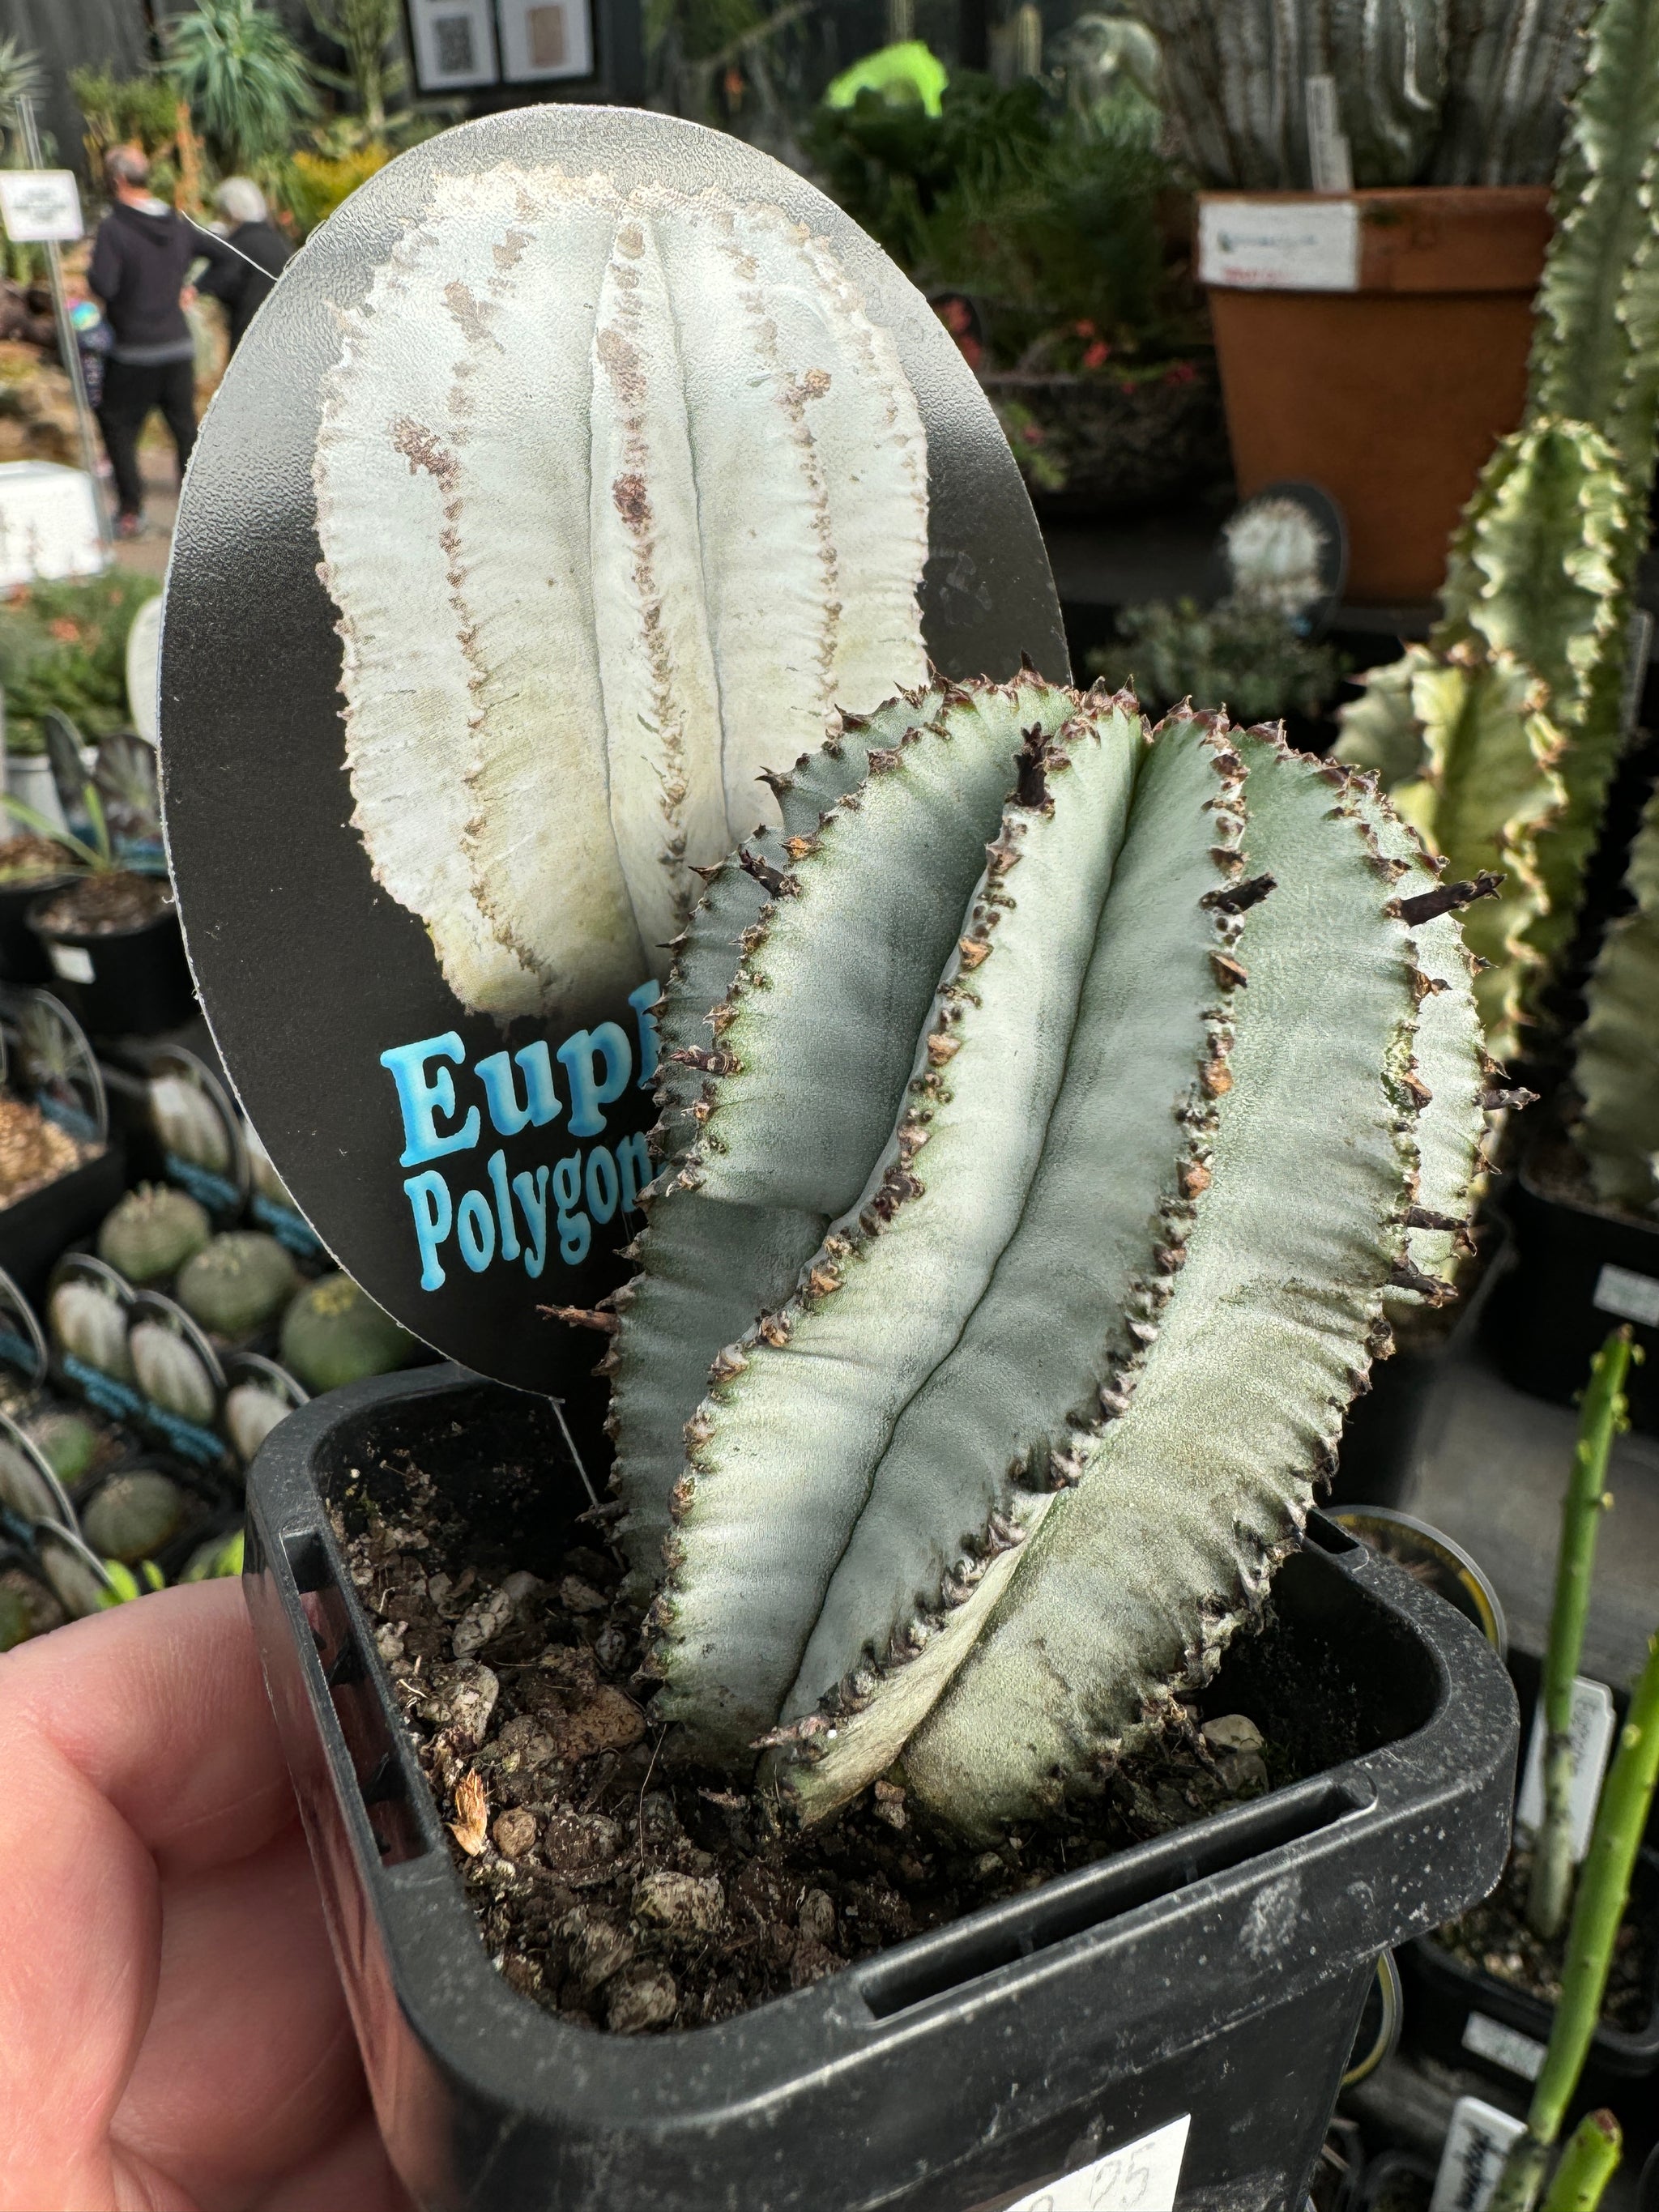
(1505, 2046)
(1593, 1730)
(1477, 2143)
(1293, 245)
(1138, 2177)
(1633, 1298)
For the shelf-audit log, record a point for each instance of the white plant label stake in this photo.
(1593, 1725)
(621, 497)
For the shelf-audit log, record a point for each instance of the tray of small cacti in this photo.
(59, 1166)
(92, 1513)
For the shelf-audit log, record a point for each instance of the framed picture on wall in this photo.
(454, 44)
(541, 39)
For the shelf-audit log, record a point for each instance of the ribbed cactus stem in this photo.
(1588, 2164)
(1601, 1416)
(1009, 1192)
(1617, 1069)
(1603, 1893)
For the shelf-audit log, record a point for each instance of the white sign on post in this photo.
(41, 207)
(1592, 1735)
(1292, 244)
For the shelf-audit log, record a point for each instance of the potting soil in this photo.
(1495, 1936)
(34, 1151)
(103, 905)
(623, 1891)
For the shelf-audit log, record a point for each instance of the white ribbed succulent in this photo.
(621, 496)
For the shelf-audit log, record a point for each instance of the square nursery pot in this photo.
(23, 957)
(120, 983)
(36, 1229)
(1217, 1973)
(1577, 1271)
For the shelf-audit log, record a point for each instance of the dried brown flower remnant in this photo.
(33, 1151)
(470, 1828)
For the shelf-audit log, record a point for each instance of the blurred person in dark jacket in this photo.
(140, 260)
(244, 265)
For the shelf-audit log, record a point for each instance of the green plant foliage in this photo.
(364, 30)
(64, 645)
(972, 1243)
(135, 111)
(1049, 213)
(1616, 1071)
(242, 78)
(1249, 658)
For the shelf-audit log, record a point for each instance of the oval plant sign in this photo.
(583, 469)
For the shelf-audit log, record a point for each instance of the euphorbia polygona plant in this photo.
(1050, 1104)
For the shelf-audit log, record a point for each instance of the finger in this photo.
(249, 2067)
(161, 1706)
(355, 2172)
(80, 1911)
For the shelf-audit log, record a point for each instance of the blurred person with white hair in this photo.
(140, 260)
(244, 265)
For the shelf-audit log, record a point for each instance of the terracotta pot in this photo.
(1391, 391)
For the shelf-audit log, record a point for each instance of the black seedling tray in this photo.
(1217, 1972)
(34, 1229)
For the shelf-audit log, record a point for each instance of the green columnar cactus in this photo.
(334, 1332)
(1601, 1418)
(1544, 562)
(1617, 1068)
(152, 1233)
(1603, 1893)
(237, 1282)
(1588, 2164)
(969, 1297)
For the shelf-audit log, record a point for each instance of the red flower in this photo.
(954, 314)
(1126, 385)
(1031, 434)
(1098, 354)
(65, 631)
(1181, 372)
(1083, 330)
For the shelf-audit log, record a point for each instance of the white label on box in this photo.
(72, 962)
(1593, 1731)
(1633, 1298)
(1477, 2143)
(39, 206)
(1505, 2046)
(1138, 2177)
(1279, 246)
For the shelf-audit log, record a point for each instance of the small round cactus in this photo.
(219, 1556)
(238, 1282)
(27, 1608)
(170, 1375)
(133, 1516)
(188, 1123)
(92, 1326)
(152, 1233)
(68, 1444)
(251, 1413)
(334, 1332)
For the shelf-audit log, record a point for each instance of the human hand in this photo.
(187, 296)
(172, 2034)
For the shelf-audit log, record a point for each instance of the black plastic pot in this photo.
(22, 955)
(121, 982)
(35, 1230)
(1577, 1272)
(1217, 1972)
